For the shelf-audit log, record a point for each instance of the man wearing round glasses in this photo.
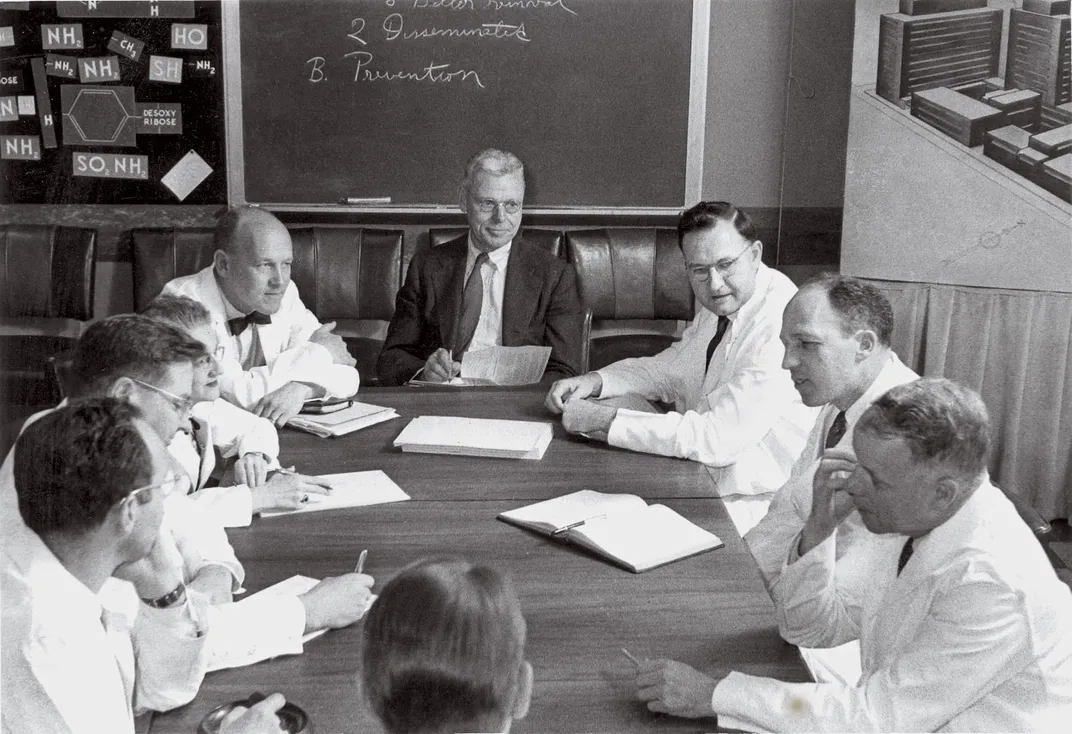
(486, 288)
(735, 407)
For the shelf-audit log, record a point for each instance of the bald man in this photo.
(275, 353)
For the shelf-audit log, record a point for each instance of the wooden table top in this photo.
(710, 611)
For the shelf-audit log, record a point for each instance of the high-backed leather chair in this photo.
(46, 272)
(345, 274)
(627, 275)
(160, 255)
(549, 239)
(350, 275)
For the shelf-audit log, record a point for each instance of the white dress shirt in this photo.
(288, 353)
(975, 634)
(742, 414)
(489, 327)
(69, 656)
(235, 432)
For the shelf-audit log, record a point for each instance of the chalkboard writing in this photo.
(388, 98)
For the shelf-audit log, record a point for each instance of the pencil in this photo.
(361, 561)
(632, 659)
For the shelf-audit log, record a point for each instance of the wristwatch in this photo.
(170, 599)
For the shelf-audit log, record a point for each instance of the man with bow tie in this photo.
(276, 354)
(963, 624)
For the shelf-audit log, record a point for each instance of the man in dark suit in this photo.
(486, 288)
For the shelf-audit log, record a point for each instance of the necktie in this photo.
(237, 325)
(723, 324)
(906, 553)
(837, 430)
(472, 299)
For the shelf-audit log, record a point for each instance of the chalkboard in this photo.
(389, 98)
(160, 122)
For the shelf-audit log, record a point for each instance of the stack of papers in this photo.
(351, 489)
(341, 422)
(430, 434)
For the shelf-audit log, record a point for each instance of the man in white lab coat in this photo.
(276, 353)
(963, 624)
(736, 408)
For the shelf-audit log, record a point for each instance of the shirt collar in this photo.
(498, 257)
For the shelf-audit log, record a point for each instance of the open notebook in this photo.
(620, 527)
(503, 439)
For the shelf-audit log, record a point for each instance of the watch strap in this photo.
(169, 599)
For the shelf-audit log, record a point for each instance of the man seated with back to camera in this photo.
(276, 354)
(735, 406)
(216, 424)
(486, 288)
(963, 624)
(90, 479)
(444, 651)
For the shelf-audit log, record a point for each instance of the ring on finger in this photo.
(304, 498)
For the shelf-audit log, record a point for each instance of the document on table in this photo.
(351, 489)
(506, 365)
(238, 640)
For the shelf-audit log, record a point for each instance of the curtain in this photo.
(1013, 347)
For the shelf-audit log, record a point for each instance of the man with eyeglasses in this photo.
(486, 288)
(91, 478)
(276, 353)
(735, 407)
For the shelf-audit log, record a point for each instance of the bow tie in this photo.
(240, 324)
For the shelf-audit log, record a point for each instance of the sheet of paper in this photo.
(186, 175)
(237, 641)
(352, 489)
(475, 436)
(506, 365)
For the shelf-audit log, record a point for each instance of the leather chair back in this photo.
(549, 239)
(347, 272)
(629, 274)
(47, 271)
(160, 255)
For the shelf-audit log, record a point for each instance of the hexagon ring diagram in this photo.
(95, 115)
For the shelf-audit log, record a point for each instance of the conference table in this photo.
(710, 611)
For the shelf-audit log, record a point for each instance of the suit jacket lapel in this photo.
(448, 282)
(521, 291)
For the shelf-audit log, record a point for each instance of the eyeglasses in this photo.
(180, 404)
(217, 353)
(487, 206)
(141, 496)
(702, 271)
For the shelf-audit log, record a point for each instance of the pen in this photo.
(632, 659)
(568, 527)
(361, 561)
